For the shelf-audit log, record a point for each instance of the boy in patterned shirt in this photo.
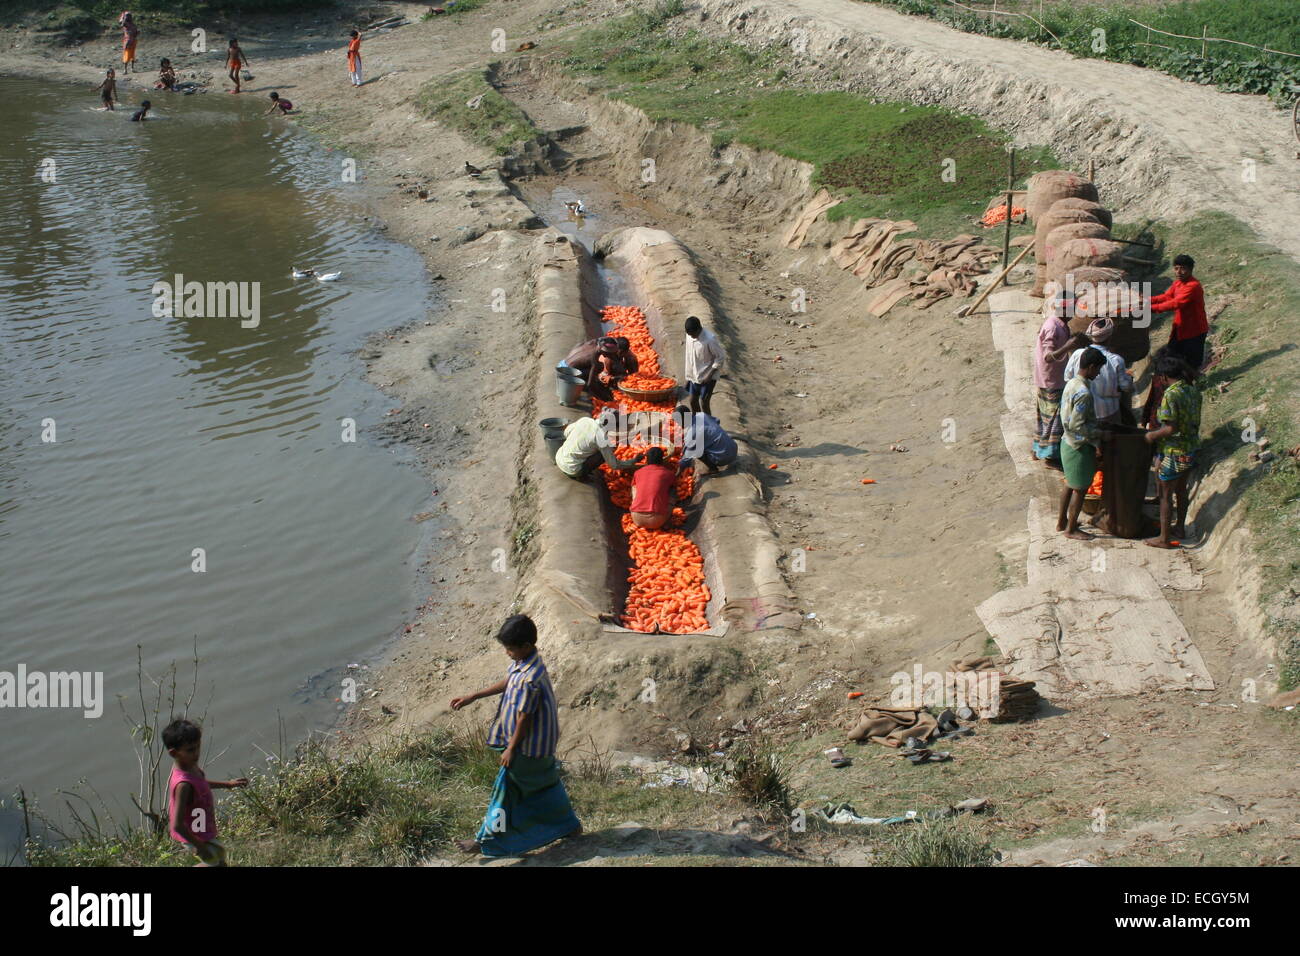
(529, 807)
(1177, 436)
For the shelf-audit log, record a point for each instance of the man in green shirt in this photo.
(1082, 439)
(1177, 436)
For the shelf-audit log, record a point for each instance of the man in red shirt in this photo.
(1186, 300)
(652, 491)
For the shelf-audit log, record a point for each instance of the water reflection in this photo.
(176, 432)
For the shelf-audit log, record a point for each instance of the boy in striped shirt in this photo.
(529, 807)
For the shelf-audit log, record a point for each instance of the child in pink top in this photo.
(189, 794)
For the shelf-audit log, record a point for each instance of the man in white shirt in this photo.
(704, 361)
(586, 446)
(1112, 389)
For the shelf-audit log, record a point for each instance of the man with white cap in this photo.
(1112, 389)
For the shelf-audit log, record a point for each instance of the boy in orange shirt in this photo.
(354, 58)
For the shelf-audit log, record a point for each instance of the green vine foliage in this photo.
(1273, 23)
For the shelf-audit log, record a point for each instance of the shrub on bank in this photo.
(394, 805)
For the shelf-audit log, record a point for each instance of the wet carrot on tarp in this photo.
(666, 590)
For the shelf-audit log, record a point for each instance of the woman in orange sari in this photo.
(354, 58)
(130, 34)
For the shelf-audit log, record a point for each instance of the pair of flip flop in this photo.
(916, 751)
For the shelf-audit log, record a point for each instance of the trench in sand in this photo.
(611, 287)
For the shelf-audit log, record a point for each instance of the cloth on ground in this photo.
(891, 726)
(798, 231)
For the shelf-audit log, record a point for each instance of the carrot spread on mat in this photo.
(667, 593)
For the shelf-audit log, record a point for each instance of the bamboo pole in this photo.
(966, 310)
(1011, 184)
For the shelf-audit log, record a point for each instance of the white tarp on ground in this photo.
(1015, 321)
(1091, 628)
(1092, 620)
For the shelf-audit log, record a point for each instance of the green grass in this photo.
(496, 124)
(886, 159)
(77, 21)
(939, 843)
(461, 7)
(1269, 23)
(1260, 332)
(393, 805)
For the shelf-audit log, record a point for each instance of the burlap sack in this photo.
(1103, 291)
(1071, 230)
(1099, 212)
(1047, 187)
(1077, 253)
(1061, 214)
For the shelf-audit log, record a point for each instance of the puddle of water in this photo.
(596, 220)
(182, 433)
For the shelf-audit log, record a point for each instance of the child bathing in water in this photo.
(166, 76)
(189, 794)
(278, 103)
(235, 60)
(108, 89)
(142, 113)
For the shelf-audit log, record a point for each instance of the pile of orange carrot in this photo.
(998, 214)
(667, 593)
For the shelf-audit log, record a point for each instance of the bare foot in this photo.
(1160, 543)
(1078, 535)
(1061, 524)
(467, 846)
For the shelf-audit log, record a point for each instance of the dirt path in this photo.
(1163, 147)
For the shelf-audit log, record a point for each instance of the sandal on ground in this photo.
(837, 757)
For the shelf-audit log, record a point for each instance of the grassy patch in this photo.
(938, 843)
(1075, 23)
(890, 160)
(494, 122)
(760, 777)
(1255, 379)
(391, 806)
(1000, 763)
(461, 6)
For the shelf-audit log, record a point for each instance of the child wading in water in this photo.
(189, 794)
(529, 807)
(235, 59)
(108, 89)
(354, 58)
(166, 76)
(278, 103)
(142, 113)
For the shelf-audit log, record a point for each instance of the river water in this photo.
(173, 434)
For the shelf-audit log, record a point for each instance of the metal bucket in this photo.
(552, 434)
(568, 385)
